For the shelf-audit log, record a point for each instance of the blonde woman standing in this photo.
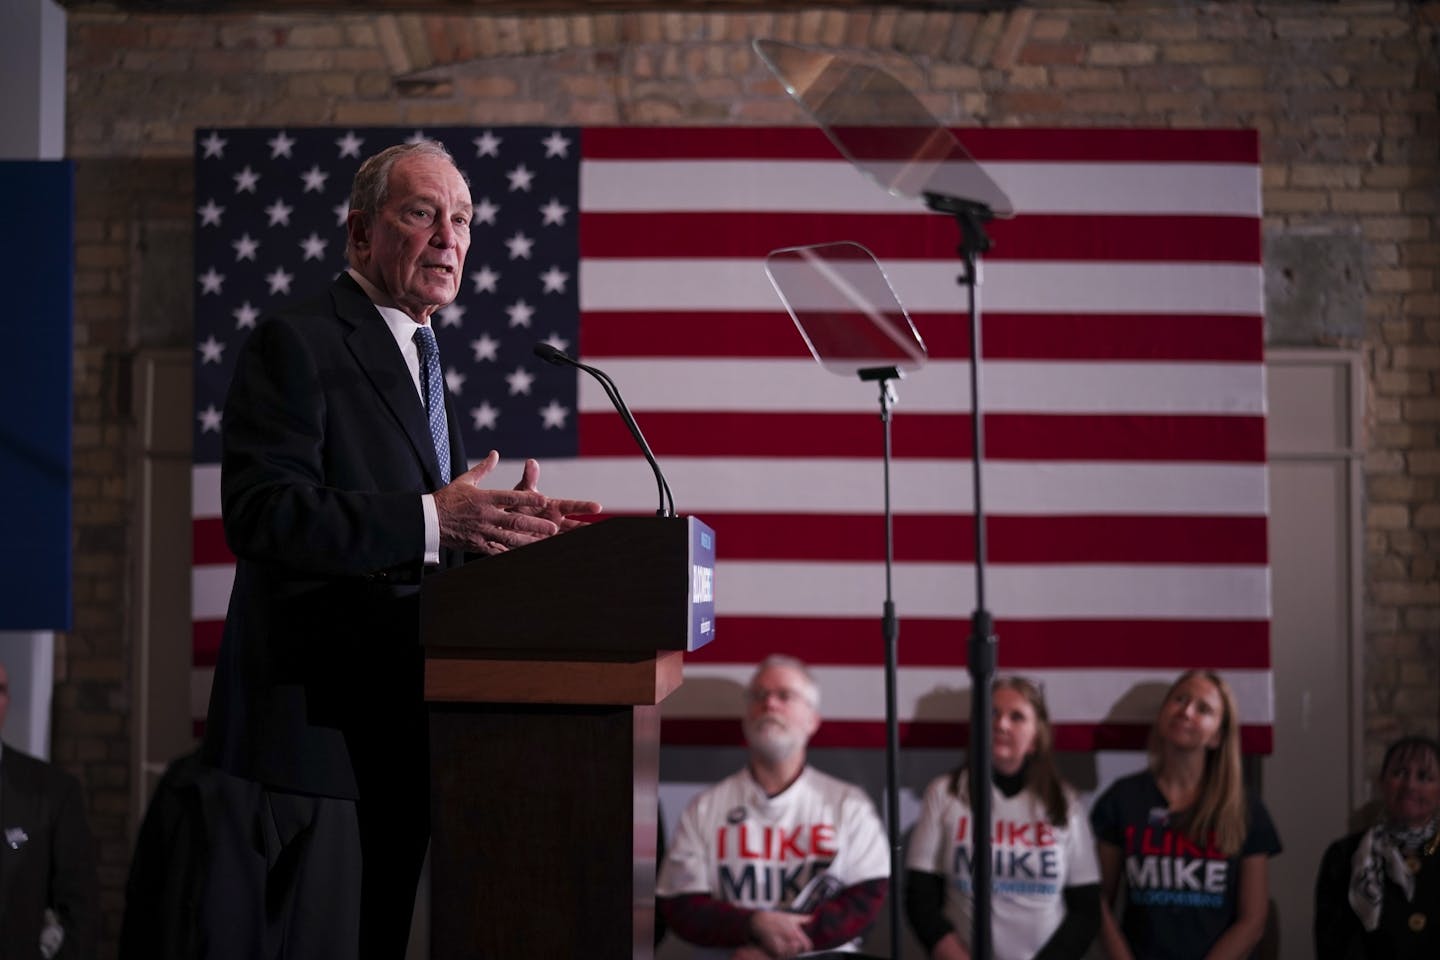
(1184, 839)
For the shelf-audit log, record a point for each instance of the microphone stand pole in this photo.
(971, 217)
(890, 628)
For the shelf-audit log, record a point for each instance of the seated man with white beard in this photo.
(779, 859)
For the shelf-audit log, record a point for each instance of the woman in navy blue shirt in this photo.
(1184, 839)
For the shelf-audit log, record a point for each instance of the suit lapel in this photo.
(374, 349)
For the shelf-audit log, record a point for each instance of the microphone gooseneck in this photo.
(550, 354)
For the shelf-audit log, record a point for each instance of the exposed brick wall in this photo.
(1344, 95)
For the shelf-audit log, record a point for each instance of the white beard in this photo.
(772, 740)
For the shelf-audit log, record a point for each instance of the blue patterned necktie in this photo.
(434, 396)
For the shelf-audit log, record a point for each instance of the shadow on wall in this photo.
(709, 697)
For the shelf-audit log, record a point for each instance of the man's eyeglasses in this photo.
(785, 695)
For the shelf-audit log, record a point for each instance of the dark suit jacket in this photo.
(47, 859)
(326, 451)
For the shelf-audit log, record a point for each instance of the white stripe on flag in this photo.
(928, 286)
(210, 585)
(833, 186)
(771, 386)
(1018, 591)
(854, 486)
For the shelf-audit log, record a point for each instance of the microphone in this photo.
(549, 354)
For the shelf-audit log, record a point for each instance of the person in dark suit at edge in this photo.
(335, 502)
(49, 893)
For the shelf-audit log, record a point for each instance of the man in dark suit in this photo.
(49, 894)
(337, 497)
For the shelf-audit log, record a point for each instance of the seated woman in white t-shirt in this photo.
(1045, 886)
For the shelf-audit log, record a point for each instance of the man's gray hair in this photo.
(811, 688)
(371, 187)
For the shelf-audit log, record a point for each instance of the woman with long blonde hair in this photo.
(1184, 839)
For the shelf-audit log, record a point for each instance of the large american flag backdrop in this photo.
(1123, 396)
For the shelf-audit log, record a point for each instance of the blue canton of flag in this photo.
(270, 230)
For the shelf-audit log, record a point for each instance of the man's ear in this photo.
(357, 230)
(814, 724)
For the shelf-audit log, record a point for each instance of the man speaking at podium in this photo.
(343, 480)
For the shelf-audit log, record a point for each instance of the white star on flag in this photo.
(554, 280)
(245, 316)
(211, 282)
(246, 180)
(519, 246)
(214, 145)
(314, 179)
(486, 348)
(279, 280)
(487, 145)
(484, 416)
(485, 280)
(280, 145)
(520, 178)
(454, 380)
(558, 342)
(520, 381)
(210, 214)
(553, 414)
(314, 246)
(557, 145)
(279, 213)
(554, 213)
(245, 247)
(520, 313)
(209, 419)
(210, 350)
(452, 314)
(342, 212)
(485, 211)
(417, 137)
(350, 144)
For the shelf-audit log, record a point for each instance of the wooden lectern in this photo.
(544, 671)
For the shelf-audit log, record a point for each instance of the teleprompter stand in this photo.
(849, 316)
(890, 136)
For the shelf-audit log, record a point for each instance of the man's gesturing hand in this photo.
(490, 521)
(558, 511)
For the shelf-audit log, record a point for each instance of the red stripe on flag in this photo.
(1007, 436)
(1023, 644)
(893, 237)
(924, 538)
(205, 641)
(931, 538)
(1087, 144)
(1006, 336)
(207, 539)
(932, 734)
